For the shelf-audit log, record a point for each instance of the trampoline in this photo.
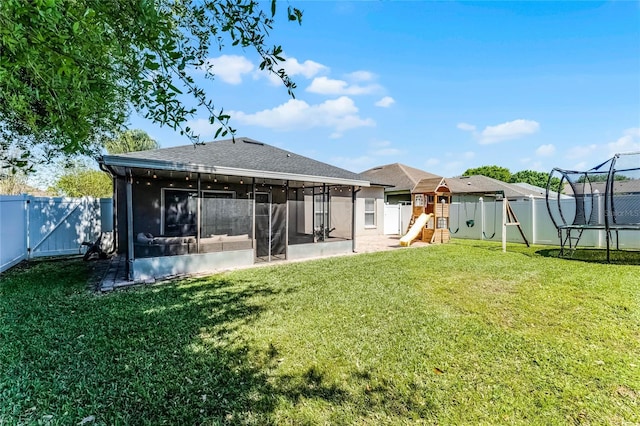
(604, 198)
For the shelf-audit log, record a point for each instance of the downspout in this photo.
(286, 221)
(253, 220)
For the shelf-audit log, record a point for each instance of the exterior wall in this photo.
(158, 267)
(376, 193)
(398, 198)
(306, 251)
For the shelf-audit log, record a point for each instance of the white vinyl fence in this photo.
(482, 220)
(49, 226)
(396, 218)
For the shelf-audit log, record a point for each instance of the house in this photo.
(398, 181)
(229, 203)
(470, 188)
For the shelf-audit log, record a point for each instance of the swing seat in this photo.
(470, 223)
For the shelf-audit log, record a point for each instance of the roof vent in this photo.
(252, 142)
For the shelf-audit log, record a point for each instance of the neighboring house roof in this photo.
(430, 185)
(244, 157)
(631, 186)
(397, 177)
(480, 185)
(538, 192)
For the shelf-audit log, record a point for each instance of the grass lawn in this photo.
(454, 334)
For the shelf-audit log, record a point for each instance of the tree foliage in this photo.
(131, 141)
(495, 172)
(71, 70)
(532, 177)
(503, 174)
(84, 182)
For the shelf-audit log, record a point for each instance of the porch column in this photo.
(198, 217)
(353, 219)
(130, 256)
(286, 221)
(253, 218)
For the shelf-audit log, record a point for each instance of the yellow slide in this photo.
(415, 229)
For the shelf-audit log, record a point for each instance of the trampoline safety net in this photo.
(606, 198)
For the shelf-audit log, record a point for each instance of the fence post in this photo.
(27, 207)
(504, 224)
(533, 218)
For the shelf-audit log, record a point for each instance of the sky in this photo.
(440, 86)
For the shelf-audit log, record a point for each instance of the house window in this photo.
(179, 212)
(321, 210)
(369, 212)
(443, 223)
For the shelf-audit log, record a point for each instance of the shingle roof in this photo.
(429, 185)
(401, 177)
(479, 184)
(245, 154)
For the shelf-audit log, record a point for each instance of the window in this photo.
(369, 212)
(321, 210)
(179, 212)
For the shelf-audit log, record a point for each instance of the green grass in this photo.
(453, 334)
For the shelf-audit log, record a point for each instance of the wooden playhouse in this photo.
(431, 199)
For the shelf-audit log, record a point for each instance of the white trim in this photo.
(366, 212)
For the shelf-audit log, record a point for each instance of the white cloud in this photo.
(361, 76)
(581, 151)
(307, 68)
(629, 142)
(295, 68)
(508, 131)
(466, 127)
(545, 150)
(385, 102)
(340, 114)
(328, 86)
(229, 68)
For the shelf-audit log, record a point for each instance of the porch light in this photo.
(215, 178)
(187, 177)
(241, 181)
(154, 175)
